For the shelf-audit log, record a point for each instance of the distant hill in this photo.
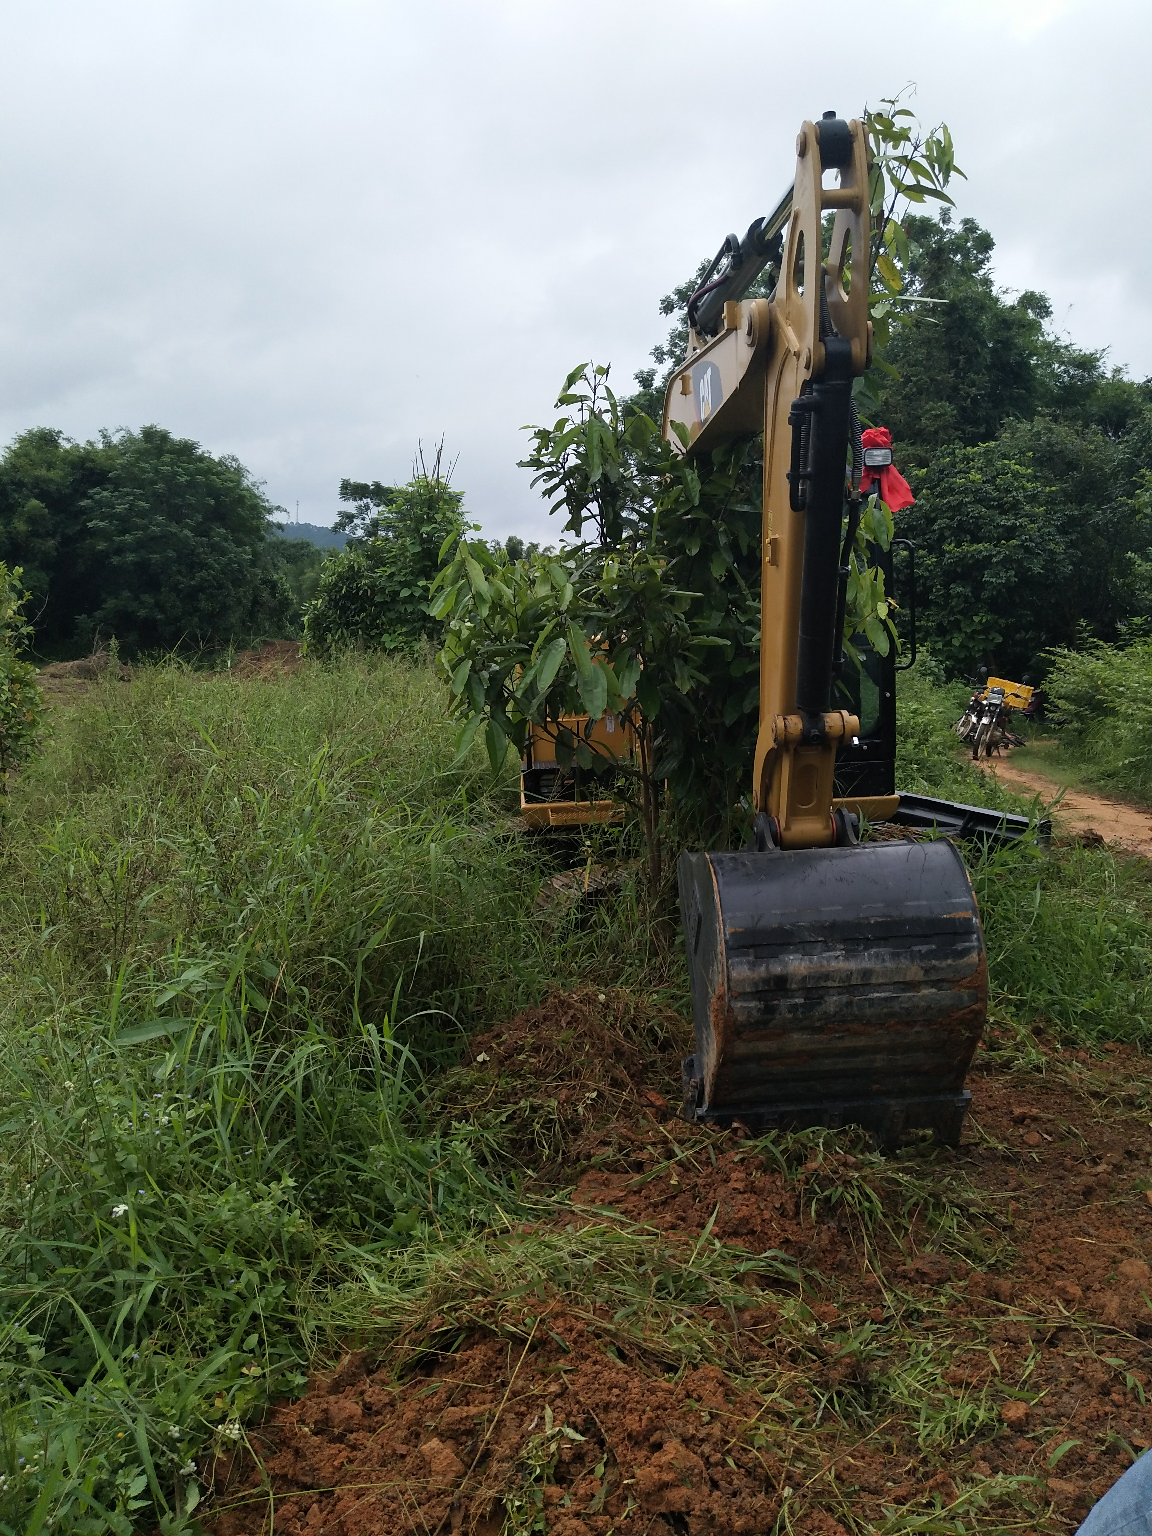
(326, 538)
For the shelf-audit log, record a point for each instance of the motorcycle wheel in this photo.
(981, 743)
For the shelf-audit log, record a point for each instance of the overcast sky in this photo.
(312, 232)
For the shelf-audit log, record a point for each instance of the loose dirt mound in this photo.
(556, 1076)
(276, 658)
(61, 680)
(963, 1331)
(364, 1453)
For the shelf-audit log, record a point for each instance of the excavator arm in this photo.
(832, 981)
(786, 366)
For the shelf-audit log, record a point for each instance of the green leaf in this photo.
(497, 743)
(154, 1029)
(1062, 1450)
(594, 691)
(460, 676)
(475, 576)
(889, 272)
(648, 696)
(549, 663)
(627, 676)
(580, 653)
(877, 634)
(466, 737)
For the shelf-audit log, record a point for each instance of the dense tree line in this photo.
(141, 536)
(148, 539)
(1030, 460)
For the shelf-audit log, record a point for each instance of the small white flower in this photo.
(188, 1469)
(483, 1056)
(175, 1431)
(601, 997)
(68, 1087)
(231, 1430)
(119, 1210)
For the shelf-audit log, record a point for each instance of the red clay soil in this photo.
(1057, 1324)
(1080, 811)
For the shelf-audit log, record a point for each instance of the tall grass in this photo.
(1101, 701)
(239, 920)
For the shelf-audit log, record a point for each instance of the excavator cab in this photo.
(834, 980)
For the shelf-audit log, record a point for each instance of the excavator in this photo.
(834, 980)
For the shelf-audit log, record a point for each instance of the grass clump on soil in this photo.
(313, 1076)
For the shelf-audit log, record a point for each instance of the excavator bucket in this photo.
(833, 986)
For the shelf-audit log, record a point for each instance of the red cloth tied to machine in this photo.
(895, 491)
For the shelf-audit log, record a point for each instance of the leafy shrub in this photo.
(1101, 699)
(21, 704)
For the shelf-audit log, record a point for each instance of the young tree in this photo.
(650, 613)
(375, 593)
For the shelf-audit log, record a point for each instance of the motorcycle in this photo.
(992, 732)
(969, 722)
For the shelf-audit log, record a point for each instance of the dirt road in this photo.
(1079, 811)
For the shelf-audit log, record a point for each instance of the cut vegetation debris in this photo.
(343, 1188)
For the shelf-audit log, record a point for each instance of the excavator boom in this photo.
(832, 981)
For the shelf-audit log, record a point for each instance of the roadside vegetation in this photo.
(1101, 709)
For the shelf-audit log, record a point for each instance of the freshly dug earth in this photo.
(966, 1332)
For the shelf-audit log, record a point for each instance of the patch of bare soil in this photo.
(1008, 1281)
(61, 680)
(1080, 812)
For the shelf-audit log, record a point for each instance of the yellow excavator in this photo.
(834, 981)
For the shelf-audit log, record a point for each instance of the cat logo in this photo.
(708, 390)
